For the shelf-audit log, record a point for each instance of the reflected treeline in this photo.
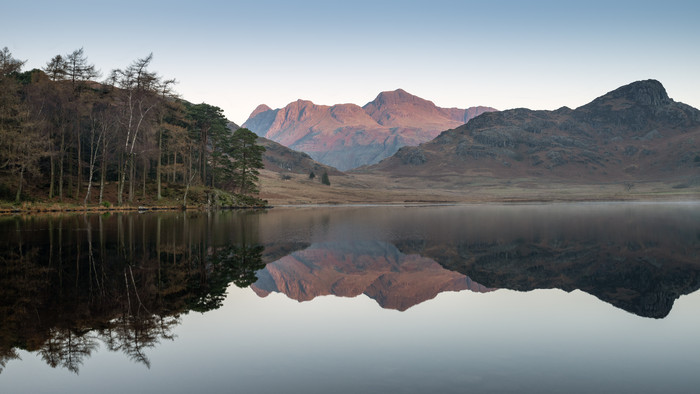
(71, 283)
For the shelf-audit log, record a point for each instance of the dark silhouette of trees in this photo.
(75, 281)
(235, 264)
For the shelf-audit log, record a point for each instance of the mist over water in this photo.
(489, 298)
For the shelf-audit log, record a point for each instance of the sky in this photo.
(504, 54)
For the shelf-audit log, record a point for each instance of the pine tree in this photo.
(247, 155)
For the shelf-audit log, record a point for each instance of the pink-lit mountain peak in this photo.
(347, 135)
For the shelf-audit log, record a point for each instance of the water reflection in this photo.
(637, 257)
(639, 260)
(71, 283)
(350, 268)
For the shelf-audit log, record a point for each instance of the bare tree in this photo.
(78, 70)
(9, 64)
(56, 68)
(136, 103)
(141, 92)
(166, 92)
(98, 127)
(21, 145)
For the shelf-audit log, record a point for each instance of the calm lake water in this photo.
(450, 299)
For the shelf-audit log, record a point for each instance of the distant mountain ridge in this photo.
(634, 132)
(346, 136)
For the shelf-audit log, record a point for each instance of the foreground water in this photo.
(489, 298)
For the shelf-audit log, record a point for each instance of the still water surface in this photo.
(488, 298)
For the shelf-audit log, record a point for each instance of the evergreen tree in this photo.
(247, 155)
(325, 180)
(209, 130)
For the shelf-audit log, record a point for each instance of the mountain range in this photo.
(347, 136)
(635, 132)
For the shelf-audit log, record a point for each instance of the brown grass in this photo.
(378, 189)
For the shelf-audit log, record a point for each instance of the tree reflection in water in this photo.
(69, 283)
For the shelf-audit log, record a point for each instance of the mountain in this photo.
(346, 136)
(402, 109)
(279, 158)
(348, 269)
(635, 132)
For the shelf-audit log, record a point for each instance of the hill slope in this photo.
(635, 132)
(347, 136)
(279, 158)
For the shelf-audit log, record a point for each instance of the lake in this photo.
(599, 297)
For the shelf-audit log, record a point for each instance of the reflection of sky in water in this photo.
(544, 340)
(501, 341)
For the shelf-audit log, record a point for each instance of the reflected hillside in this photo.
(639, 277)
(347, 269)
(72, 284)
(637, 257)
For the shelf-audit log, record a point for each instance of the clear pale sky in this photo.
(504, 54)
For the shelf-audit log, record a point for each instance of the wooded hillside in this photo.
(65, 137)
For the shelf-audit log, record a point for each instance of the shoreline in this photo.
(476, 203)
(56, 208)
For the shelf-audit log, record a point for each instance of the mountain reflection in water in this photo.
(71, 283)
(348, 269)
(637, 257)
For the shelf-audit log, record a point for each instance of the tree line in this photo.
(70, 284)
(65, 136)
